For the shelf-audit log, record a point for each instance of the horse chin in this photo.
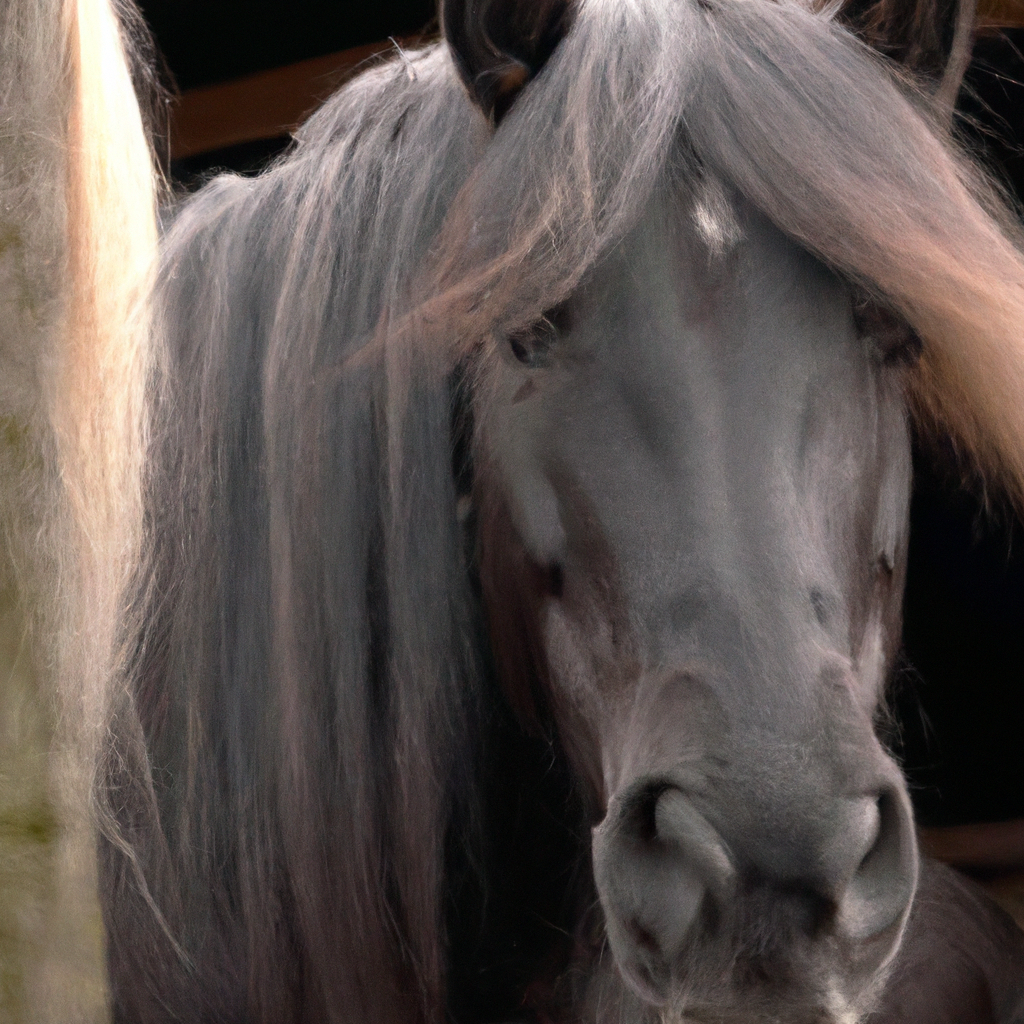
(754, 1015)
(729, 986)
(766, 1007)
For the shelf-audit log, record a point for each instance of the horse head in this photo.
(693, 483)
(695, 476)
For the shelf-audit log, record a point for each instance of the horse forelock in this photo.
(835, 145)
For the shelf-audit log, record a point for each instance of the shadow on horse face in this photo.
(694, 482)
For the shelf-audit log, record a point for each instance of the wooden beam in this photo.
(1000, 14)
(991, 847)
(993, 852)
(265, 105)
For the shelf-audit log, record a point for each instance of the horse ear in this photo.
(499, 45)
(932, 38)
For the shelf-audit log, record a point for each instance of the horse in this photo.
(515, 565)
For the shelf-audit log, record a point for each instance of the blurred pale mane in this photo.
(79, 233)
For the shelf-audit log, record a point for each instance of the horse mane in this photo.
(77, 244)
(296, 765)
(934, 37)
(305, 663)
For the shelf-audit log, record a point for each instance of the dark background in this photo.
(208, 41)
(959, 695)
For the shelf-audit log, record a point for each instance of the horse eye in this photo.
(895, 341)
(532, 346)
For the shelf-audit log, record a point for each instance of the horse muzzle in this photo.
(803, 908)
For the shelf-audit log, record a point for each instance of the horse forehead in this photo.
(707, 366)
(671, 322)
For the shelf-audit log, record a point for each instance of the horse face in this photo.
(697, 475)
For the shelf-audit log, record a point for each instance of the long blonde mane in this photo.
(77, 241)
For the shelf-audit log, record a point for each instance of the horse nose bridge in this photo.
(770, 664)
(786, 749)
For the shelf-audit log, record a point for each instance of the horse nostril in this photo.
(871, 833)
(679, 823)
(554, 580)
(658, 865)
(879, 892)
